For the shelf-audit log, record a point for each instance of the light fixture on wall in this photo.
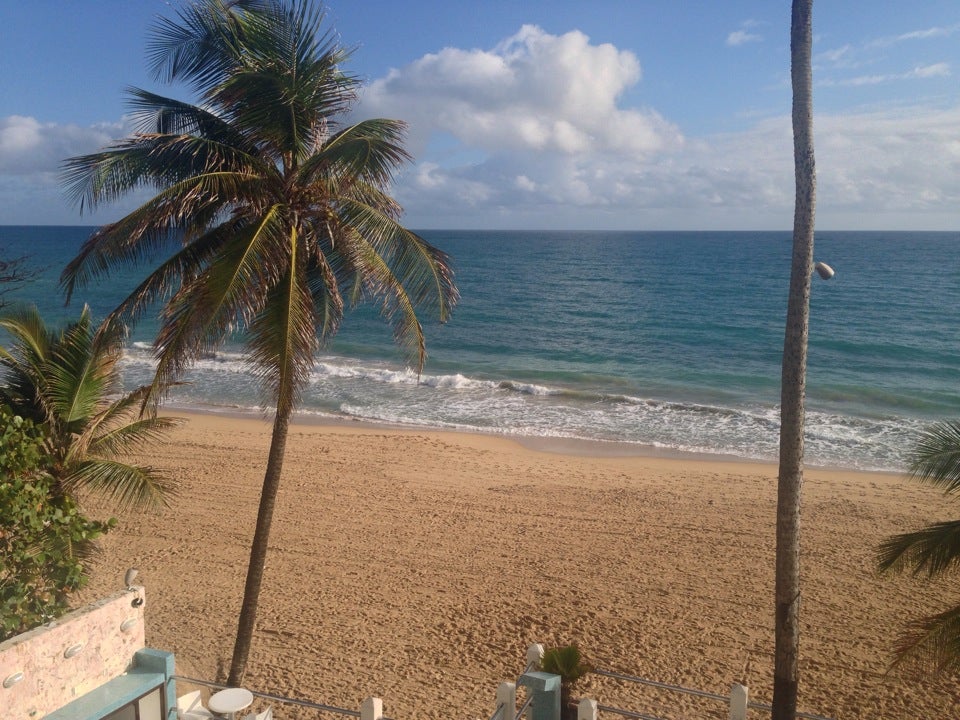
(73, 650)
(12, 680)
(824, 271)
(129, 577)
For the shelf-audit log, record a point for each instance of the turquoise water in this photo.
(657, 339)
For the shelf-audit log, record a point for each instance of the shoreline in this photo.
(577, 447)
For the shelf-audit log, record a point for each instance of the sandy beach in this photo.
(417, 566)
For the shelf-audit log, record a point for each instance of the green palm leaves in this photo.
(934, 550)
(271, 201)
(68, 381)
(566, 661)
(272, 215)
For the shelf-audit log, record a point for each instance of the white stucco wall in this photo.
(51, 680)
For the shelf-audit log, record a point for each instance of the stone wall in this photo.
(71, 656)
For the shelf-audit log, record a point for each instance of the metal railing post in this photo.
(587, 709)
(739, 700)
(506, 699)
(371, 709)
(545, 689)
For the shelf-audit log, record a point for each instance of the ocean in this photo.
(666, 342)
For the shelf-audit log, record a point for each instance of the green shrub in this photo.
(567, 662)
(43, 538)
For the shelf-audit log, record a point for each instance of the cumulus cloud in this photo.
(534, 92)
(28, 146)
(534, 136)
(534, 133)
(538, 116)
(896, 169)
(31, 157)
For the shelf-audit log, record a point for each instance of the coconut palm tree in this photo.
(934, 550)
(794, 373)
(68, 382)
(275, 212)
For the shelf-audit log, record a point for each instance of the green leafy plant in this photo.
(68, 381)
(567, 662)
(43, 536)
(933, 642)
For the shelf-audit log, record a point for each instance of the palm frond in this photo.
(282, 337)
(222, 297)
(936, 457)
(126, 485)
(26, 326)
(79, 374)
(324, 285)
(131, 436)
(204, 45)
(396, 306)
(932, 550)
(931, 643)
(287, 106)
(177, 163)
(159, 115)
(424, 271)
(24, 361)
(369, 151)
(186, 207)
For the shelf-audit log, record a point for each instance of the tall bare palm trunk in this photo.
(258, 548)
(794, 372)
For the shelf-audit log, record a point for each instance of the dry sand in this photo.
(418, 566)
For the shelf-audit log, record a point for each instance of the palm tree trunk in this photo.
(794, 373)
(258, 549)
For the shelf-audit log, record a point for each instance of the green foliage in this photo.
(567, 662)
(21, 446)
(43, 537)
(68, 380)
(930, 642)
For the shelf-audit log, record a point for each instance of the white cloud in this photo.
(934, 32)
(896, 170)
(28, 146)
(545, 146)
(926, 71)
(742, 37)
(534, 92)
(533, 133)
(31, 158)
(935, 70)
(744, 34)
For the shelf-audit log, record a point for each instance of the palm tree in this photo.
(68, 382)
(279, 212)
(794, 373)
(934, 550)
(568, 662)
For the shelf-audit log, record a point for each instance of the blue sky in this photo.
(553, 114)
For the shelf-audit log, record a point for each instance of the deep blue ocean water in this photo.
(667, 340)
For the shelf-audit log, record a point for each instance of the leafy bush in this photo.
(43, 538)
(568, 663)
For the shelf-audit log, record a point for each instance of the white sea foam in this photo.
(659, 349)
(377, 392)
